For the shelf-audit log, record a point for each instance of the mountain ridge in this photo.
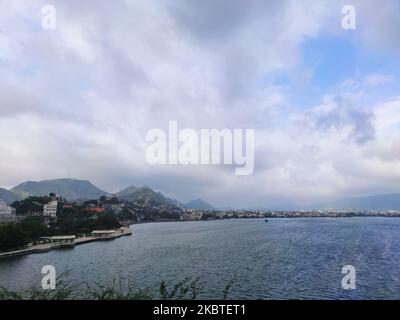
(382, 202)
(145, 193)
(70, 189)
(388, 201)
(127, 191)
(76, 189)
(8, 196)
(198, 204)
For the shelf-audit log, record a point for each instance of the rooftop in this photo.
(62, 237)
(103, 231)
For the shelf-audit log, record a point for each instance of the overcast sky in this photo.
(324, 102)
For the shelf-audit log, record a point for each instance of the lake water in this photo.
(281, 259)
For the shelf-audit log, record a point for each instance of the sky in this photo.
(324, 102)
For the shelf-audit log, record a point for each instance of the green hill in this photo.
(198, 204)
(145, 193)
(70, 189)
(126, 191)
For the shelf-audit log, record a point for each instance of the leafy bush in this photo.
(66, 290)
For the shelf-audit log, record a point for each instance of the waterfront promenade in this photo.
(45, 247)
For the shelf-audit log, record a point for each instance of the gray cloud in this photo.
(342, 114)
(82, 97)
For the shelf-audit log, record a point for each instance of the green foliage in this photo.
(117, 292)
(15, 235)
(11, 236)
(31, 229)
(30, 205)
(65, 290)
(183, 289)
(145, 193)
(82, 222)
(106, 221)
(34, 228)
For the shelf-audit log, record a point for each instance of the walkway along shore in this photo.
(39, 248)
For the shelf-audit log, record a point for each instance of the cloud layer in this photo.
(79, 99)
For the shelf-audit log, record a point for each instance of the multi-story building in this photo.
(50, 209)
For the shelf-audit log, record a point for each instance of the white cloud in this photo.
(377, 79)
(82, 97)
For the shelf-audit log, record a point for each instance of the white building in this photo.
(6, 210)
(50, 209)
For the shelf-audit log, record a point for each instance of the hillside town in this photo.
(75, 211)
(145, 210)
(40, 223)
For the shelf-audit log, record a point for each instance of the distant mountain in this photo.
(70, 189)
(374, 202)
(126, 191)
(145, 193)
(284, 207)
(198, 204)
(7, 196)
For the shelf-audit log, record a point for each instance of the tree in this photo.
(11, 237)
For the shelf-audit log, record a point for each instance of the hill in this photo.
(126, 191)
(145, 193)
(70, 189)
(198, 204)
(375, 202)
(7, 196)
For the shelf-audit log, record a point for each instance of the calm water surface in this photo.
(281, 259)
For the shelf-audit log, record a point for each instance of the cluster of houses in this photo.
(57, 204)
(105, 207)
(140, 209)
(6, 210)
(192, 215)
(7, 213)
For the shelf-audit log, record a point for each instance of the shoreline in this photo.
(41, 248)
(267, 217)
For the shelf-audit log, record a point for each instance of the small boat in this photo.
(266, 220)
